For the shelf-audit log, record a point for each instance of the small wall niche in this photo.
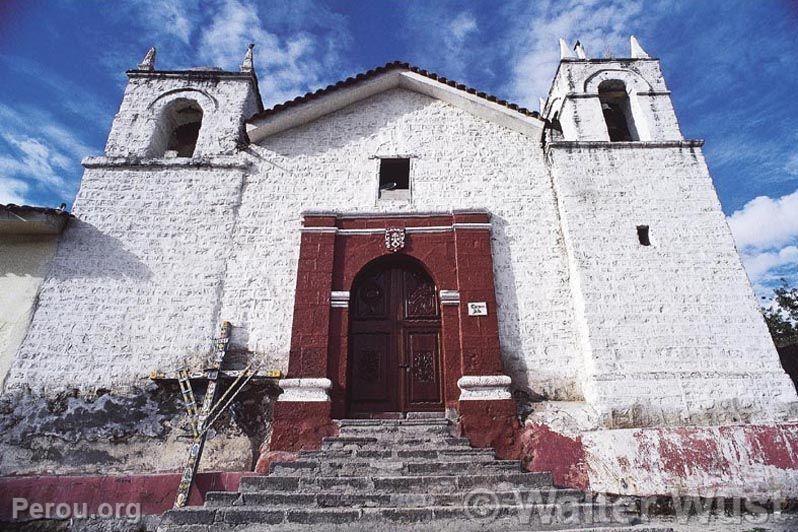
(643, 236)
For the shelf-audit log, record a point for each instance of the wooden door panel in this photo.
(394, 330)
(423, 375)
(374, 370)
(371, 299)
(420, 301)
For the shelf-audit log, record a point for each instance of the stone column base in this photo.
(484, 387)
(488, 413)
(305, 390)
(491, 424)
(302, 415)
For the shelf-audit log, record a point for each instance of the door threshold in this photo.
(399, 415)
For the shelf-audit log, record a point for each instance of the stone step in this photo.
(353, 442)
(431, 453)
(355, 467)
(399, 438)
(425, 415)
(396, 433)
(385, 500)
(439, 422)
(494, 517)
(397, 484)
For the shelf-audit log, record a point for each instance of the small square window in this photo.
(394, 175)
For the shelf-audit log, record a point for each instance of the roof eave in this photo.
(28, 220)
(260, 127)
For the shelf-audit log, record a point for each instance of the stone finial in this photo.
(565, 51)
(248, 65)
(580, 50)
(542, 103)
(148, 63)
(637, 50)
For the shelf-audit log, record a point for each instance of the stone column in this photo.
(487, 411)
(450, 347)
(302, 413)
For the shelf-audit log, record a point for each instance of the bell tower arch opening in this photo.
(617, 110)
(185, 132)
(179, 128)
(394, 339)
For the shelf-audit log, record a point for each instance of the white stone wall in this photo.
(24, 260)
(166, 249)
(671, 332)
(136, 282)
(458, 161)
(142, 272)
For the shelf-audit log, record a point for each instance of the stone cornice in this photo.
(570, 144)
(220, 161)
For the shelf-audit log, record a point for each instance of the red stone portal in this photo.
(397, 283)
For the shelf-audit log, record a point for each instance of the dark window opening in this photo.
(394, 174)
(617, 111)
(642, 235)
(185, 132)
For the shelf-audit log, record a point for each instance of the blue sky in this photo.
(730, 64)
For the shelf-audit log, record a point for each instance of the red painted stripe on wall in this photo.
(155, 493)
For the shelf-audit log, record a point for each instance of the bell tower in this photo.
(195, 113)
(656, 280)
(611, 100)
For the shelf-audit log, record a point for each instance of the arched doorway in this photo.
(394, 339)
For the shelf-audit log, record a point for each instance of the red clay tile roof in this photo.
(394, 65)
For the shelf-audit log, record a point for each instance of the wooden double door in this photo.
(394, 340)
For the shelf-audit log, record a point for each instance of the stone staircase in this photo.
(408, 474)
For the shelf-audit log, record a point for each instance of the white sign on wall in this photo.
(477, 308)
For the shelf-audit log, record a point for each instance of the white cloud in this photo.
(534, 50)
(13, 191)
(765, 222)
(232, 27)
(35, 161)
(461, 27)
(289, 66)
(36, 152)
(444, 37)
(791, 167)
(300, 45)
(759, 264)
(174, 17)
(766, 232)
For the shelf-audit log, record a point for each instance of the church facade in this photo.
(399, 242)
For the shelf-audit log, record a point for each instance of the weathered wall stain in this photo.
(120, 431)
(546, 450)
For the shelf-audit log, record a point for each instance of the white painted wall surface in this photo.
(135, 285)
(458, 161)
(165, 249)
(672, 332)
(24, 260)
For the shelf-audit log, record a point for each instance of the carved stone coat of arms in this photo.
(394, 239)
